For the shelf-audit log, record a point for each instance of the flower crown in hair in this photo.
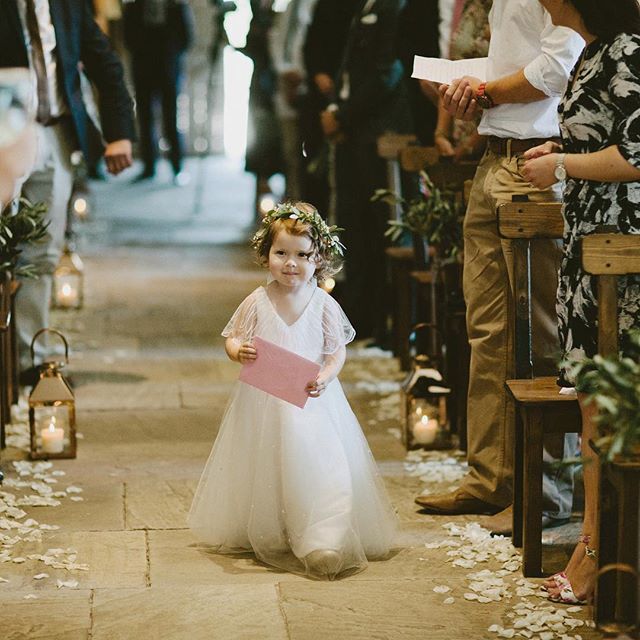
(325, 235)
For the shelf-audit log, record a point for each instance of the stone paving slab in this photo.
(52, 616)
(176, 558)
(158, 504)
(115, 559)
(380, 610)
(101, 508)
(126, 397)
(230, 612)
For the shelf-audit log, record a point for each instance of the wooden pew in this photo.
(540, 409)
(617, 606)
(438, 292)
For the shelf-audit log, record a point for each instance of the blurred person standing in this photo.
(54, 39)
(158, 34)
(287, 39)
(324, 47)
(371, 99)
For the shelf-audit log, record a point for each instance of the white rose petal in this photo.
(448, 600)
(41, 576)
(442, 589)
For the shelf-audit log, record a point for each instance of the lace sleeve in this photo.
(336, 328)
(242, 325)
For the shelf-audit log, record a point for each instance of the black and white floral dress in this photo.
(600, 108)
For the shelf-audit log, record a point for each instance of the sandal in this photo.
(566, 594)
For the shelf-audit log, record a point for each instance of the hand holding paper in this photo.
(280, 372)
(445, 71)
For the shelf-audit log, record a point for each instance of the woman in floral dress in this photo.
(600, 161)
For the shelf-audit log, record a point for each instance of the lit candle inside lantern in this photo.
(425, 430)
(67, 295)
(52, 438)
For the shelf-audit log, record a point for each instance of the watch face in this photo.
(483, 102)
(560, 172)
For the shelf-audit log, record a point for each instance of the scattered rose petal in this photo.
(71, 584)
(40, 576)
(442, 589)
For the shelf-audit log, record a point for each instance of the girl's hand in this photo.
(316, 388)
(542, 150)
(247, 353)
(540, 171)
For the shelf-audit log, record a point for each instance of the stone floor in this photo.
(152, 382)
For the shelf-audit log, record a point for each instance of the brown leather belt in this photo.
(509, 146)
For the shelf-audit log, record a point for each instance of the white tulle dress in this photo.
(284, 482)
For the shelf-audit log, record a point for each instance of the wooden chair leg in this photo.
(532, 481)
(626, 588)
(518, 482)
(607, 548)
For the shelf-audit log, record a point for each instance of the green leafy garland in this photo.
(433, 215)
(323, 234)
(613, 384)
(26, 226)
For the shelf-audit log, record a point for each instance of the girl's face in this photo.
(291, 260)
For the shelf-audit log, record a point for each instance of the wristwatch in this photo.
(560, 171)
(484, 100)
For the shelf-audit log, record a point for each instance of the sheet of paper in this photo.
(280, 372)
(444, 71)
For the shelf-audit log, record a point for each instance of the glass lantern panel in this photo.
(67, 290)
(52, 428)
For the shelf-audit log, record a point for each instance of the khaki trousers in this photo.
(488, 271)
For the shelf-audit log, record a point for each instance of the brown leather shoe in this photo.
(501, 524)
(456, 503)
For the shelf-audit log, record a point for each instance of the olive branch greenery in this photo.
(613, 384)
(25, 226)
(434, 215)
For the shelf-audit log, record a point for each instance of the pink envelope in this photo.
(280, 372)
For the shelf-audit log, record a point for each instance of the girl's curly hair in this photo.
(301, 219)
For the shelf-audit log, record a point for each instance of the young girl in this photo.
(298, 487)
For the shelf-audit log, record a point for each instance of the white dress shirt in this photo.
(48, 37)
(522, 36)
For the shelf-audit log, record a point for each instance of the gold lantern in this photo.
(52, 411)
(68, 281)
(425, 421)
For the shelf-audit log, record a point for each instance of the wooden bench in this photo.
(540, 409)
(617, 606)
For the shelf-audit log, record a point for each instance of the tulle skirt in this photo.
(298, 487)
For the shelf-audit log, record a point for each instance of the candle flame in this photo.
(66, 289)
(52, 424)
(424, 419)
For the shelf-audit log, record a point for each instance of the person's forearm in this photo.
(513, 89)
(443, 127)
(608, 165)
(333, 364)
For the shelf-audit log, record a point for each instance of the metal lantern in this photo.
(68, 281)
(52, 410)
(426, 424)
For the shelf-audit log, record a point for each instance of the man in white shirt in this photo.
(528, 67)
(53, 40)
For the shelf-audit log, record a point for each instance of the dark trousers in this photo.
(359, 172)
(157, 83)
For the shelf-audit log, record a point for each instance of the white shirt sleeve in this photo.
(549, 71)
